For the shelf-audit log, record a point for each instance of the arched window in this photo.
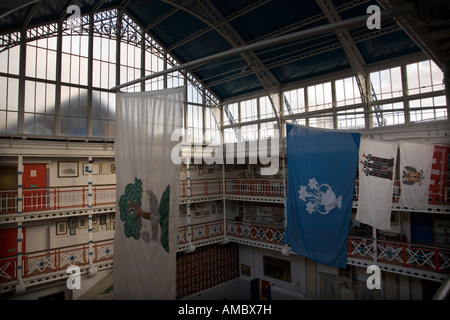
(69, 71)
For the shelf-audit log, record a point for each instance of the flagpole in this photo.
(191, 247)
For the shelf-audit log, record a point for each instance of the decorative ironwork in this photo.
(76, 256)
(130, 31)
(39, 263)
(104, 251)
(105, 23)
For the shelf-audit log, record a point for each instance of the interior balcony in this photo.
(411, 259)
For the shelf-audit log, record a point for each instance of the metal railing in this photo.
(199, 232)
(57, 198)
(77, 197)
(54, 260)
(405, 254)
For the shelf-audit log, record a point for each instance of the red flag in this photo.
(439, 168)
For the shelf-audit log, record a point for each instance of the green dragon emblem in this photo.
(131, 213)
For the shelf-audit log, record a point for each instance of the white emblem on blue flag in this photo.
(320, 198)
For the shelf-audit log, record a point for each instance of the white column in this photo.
(191, 247)
(92, 269)
(20, 288)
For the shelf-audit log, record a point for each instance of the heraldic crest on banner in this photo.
(411, 175)
(377, 166)
(320, 198)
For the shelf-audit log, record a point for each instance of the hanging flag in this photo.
(439, 167)
(147, 194)
(415, 172)
(376, 182)
(322, 166)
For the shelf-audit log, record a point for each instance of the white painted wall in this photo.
(82, 179)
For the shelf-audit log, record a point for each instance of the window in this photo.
(423, 77)
(425, 109)
(351, 119)
(324, 121)
(104, 62)
(9, 103)
(155, 63)
(387, 83)
(39, 108)
(130, 54)
(231, 113)
(320, 97)
(195, 123)
(347, 92)
(231, 135)
(193, 94)
(212, 132)
(174, 80)
(41, 59)
(268, 130)
(299, 121)
(294, 101)
(74, 63)
(249, 132)
(249, 110)
(265, 108)
(392, 113)
(103, 114)
(10, 60)
(74, 115)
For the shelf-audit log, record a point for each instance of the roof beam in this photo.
(302, 23)
(205, 10)
(229, 18)
(417, 29)
(354, 56)
(308, 52)
(11, 9)
(160, 19)
(348, 23)
(31, 14)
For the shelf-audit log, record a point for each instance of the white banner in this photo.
(415, 171)
(147, 194)
(376, 182)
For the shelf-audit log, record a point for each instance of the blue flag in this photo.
(322, 166)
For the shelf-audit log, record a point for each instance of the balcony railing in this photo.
(77, 197)
(200, 232)
(436, 259)
(255, 187)
(244, 187)
(274, 188)
(402, 254)
(57, 198)
(255, 232)
(54, 260)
